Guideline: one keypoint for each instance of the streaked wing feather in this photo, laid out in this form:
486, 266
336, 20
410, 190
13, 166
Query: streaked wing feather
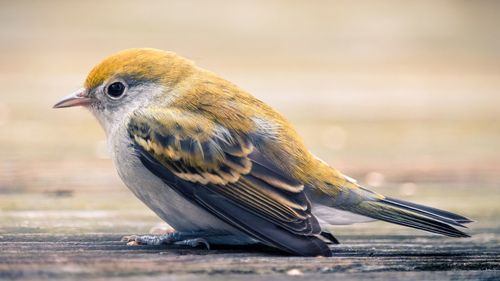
207, 162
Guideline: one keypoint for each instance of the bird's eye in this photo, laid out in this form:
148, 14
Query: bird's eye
115, 90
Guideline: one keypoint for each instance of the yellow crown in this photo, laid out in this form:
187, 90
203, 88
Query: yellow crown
144, 64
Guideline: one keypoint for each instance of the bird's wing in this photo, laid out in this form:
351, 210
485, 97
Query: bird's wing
222, 171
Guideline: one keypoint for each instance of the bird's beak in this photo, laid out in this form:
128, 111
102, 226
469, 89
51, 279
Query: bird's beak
78, 98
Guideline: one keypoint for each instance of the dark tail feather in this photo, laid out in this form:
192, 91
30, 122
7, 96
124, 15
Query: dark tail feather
413, 215
445, 216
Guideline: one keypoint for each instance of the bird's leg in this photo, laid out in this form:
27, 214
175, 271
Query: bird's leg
193, 239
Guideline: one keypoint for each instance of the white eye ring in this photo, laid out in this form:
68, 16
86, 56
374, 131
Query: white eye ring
116, 90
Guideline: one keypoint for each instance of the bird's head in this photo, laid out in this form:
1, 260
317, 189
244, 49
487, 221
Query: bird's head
127, 80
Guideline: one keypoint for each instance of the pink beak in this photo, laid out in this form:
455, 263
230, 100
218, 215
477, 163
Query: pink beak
78, 98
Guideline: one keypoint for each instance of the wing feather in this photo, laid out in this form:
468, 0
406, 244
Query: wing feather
204, 160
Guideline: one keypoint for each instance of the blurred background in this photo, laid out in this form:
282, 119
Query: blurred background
403, 95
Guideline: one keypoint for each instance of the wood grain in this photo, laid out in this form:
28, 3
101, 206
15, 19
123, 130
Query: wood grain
95, 256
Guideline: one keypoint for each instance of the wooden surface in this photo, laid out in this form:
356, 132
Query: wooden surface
97, 256
74, 235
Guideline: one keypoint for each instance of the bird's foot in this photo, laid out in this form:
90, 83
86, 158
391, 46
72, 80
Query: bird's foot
195, 242
193, 239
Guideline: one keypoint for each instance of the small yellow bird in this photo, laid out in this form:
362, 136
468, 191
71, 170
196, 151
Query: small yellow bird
222, 167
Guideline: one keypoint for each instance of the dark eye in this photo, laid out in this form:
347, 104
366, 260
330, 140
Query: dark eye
116, 89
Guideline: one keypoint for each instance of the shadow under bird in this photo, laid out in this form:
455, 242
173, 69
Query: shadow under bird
222, 167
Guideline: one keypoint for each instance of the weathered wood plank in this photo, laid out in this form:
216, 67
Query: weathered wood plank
76, 237
94, 256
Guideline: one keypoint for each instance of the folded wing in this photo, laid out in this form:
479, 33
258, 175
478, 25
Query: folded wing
222, 171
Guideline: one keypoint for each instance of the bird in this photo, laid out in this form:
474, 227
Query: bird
221, 166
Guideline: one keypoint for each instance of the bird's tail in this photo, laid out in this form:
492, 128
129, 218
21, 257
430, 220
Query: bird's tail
406, 213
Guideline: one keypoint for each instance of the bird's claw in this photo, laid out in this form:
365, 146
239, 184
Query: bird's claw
133, 243
132, 240
196, 242
128, 238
